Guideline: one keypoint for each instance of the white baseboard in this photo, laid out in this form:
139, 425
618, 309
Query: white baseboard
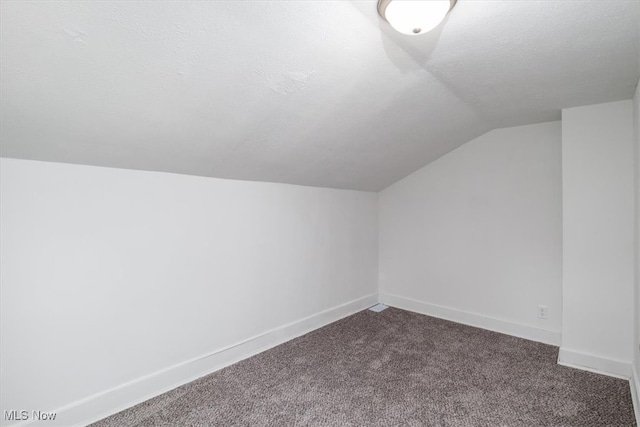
593, 363
96, 407
634, 384
472, 319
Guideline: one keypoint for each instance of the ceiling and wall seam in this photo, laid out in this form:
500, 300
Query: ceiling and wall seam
318, 94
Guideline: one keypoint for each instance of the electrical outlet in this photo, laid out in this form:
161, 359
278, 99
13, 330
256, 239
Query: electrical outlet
543, 311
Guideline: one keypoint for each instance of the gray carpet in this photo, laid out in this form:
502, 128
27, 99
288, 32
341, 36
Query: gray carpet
393, 368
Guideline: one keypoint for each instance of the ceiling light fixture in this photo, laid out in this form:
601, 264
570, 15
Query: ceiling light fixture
414, 17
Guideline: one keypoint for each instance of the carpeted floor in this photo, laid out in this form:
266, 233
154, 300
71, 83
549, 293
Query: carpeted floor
393, 368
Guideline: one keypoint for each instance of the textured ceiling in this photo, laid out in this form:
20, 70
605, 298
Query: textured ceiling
318, 93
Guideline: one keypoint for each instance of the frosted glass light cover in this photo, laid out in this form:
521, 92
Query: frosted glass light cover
415, 17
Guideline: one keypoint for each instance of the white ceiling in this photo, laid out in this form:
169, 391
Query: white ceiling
319, 93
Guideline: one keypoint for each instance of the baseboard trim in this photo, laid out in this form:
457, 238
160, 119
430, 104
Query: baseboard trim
634, 384
472, 319
96, 407
593, 363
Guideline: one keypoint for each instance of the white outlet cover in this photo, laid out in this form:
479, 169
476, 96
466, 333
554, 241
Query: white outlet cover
543, 312
378, 308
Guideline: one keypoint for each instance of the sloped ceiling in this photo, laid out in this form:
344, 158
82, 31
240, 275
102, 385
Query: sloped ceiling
319, 93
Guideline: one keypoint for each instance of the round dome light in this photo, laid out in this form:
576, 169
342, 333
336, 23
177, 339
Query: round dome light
414, 17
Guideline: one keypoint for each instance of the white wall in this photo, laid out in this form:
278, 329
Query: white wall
598, 237
116, 280
109, 275
476, 235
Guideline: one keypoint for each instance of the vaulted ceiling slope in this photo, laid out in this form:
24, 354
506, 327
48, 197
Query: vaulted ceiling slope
319, 93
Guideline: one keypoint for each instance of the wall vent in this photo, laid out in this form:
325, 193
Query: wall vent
378, 308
